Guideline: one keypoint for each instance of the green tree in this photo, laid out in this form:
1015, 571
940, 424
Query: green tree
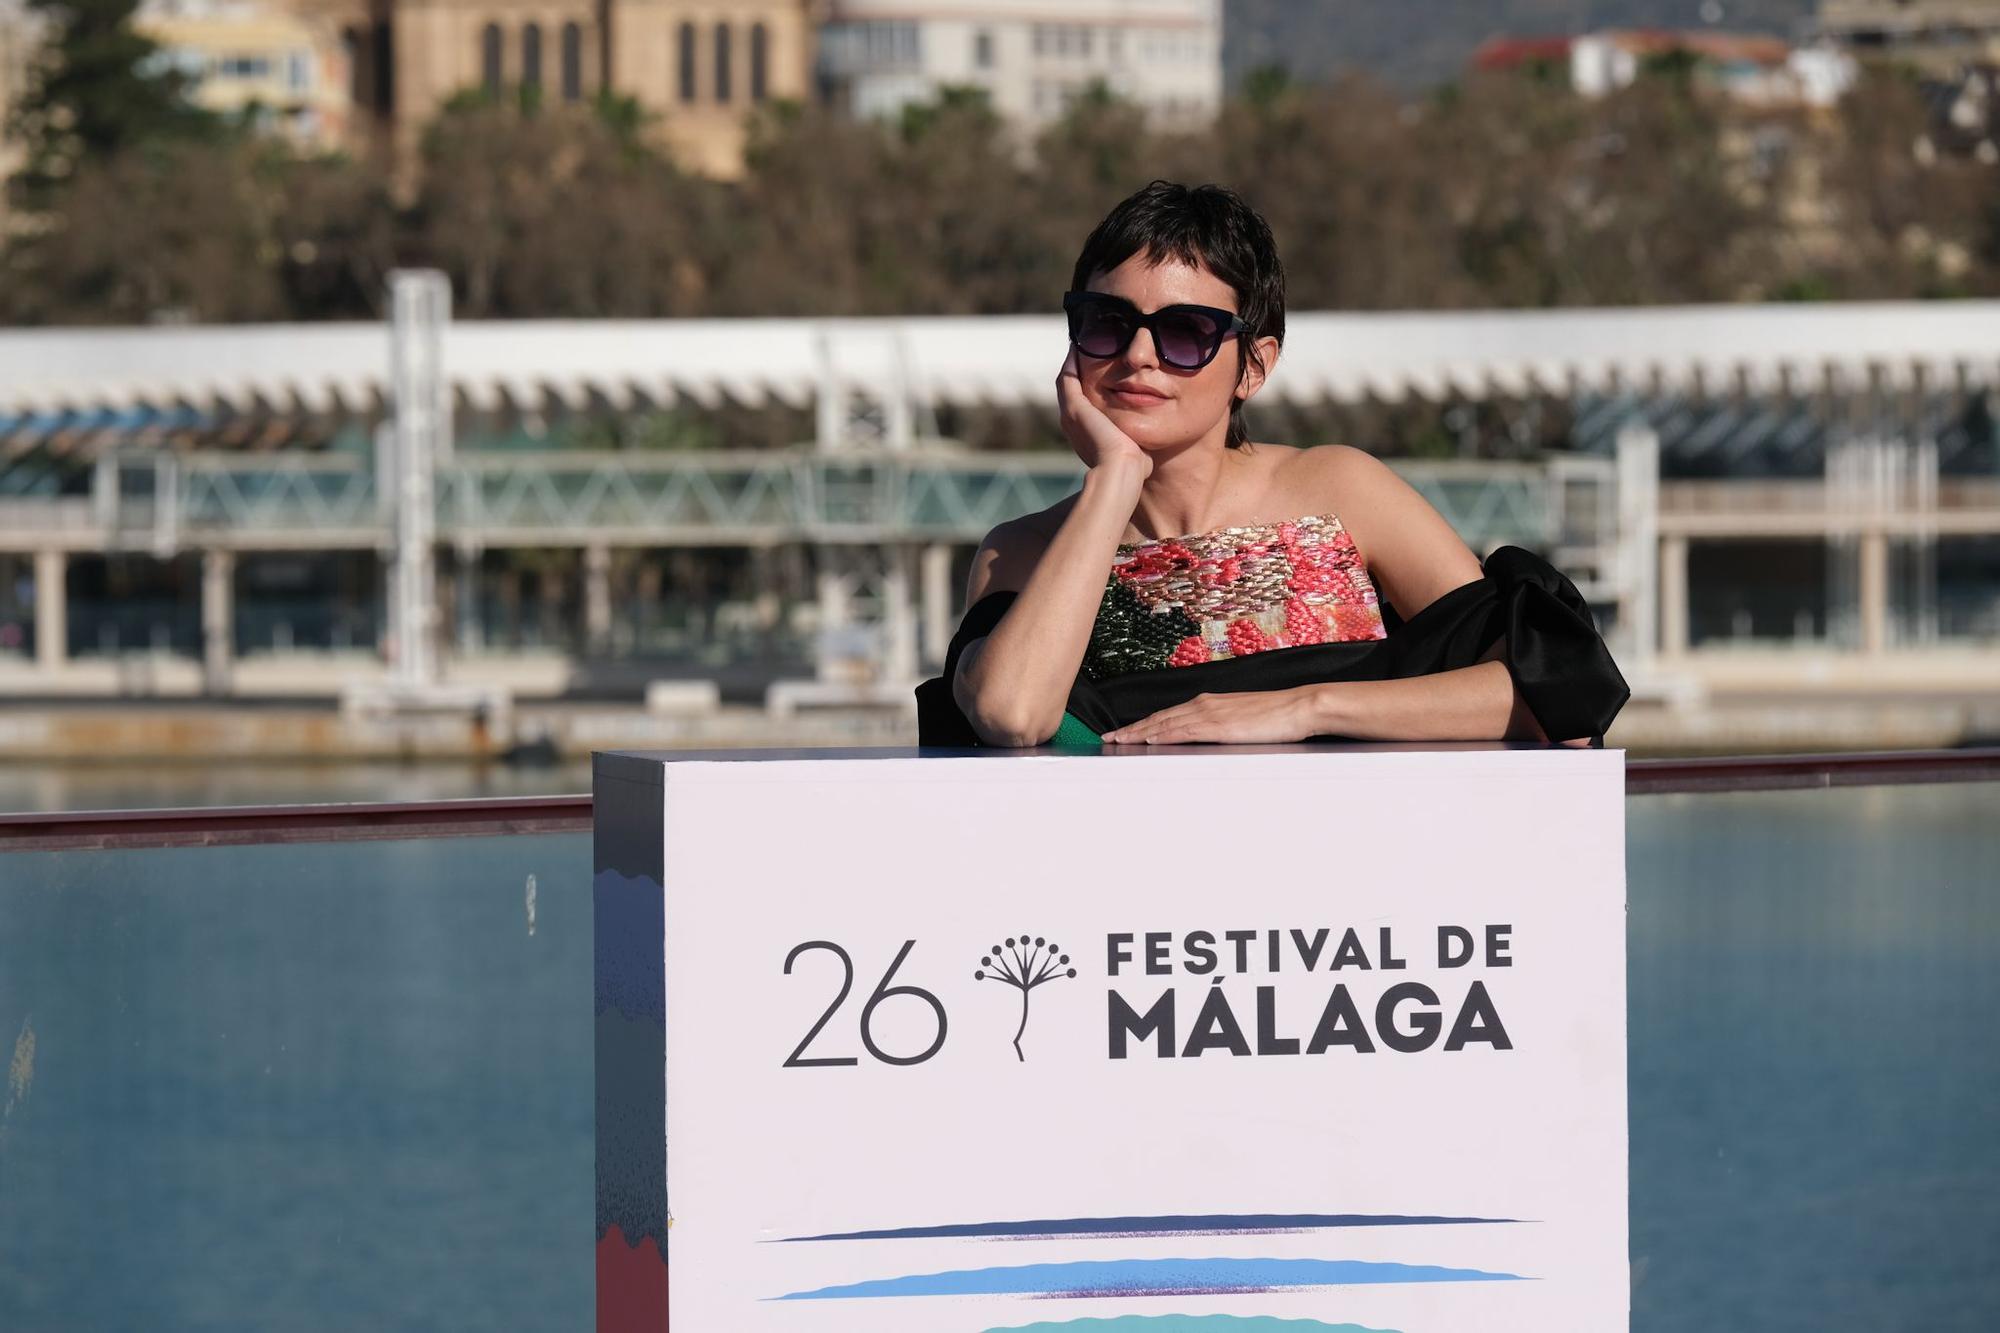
172, 232
560, 211
933, 212
1884, 210
1644, 196
99, 88
1100, 150
335, 232
1339, 174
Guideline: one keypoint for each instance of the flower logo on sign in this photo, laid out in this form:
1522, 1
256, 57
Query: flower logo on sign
1024, 964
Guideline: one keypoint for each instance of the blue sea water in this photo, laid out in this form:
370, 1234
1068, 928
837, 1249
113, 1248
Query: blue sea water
350, 1086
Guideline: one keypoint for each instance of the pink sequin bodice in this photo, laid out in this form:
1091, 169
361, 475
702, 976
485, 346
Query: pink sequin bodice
1232, 592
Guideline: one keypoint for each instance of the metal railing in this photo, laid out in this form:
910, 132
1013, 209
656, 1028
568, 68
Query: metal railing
722, 498
492, 816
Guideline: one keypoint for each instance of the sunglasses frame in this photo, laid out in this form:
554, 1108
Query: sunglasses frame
1074, 303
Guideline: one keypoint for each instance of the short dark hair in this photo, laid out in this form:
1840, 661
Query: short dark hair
1209, 226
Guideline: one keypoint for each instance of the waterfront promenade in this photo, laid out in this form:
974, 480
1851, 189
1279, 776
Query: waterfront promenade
1786, 520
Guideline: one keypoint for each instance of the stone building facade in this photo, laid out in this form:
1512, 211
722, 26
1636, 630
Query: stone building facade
1031, 57
286, 70
698, 65
1944, 38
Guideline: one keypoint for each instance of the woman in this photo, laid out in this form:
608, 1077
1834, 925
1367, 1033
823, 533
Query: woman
1204, 588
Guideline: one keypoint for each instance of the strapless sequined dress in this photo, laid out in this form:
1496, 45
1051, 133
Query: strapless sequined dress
1185, 601
1203, 614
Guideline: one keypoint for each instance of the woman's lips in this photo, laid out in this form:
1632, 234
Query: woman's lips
1140, 398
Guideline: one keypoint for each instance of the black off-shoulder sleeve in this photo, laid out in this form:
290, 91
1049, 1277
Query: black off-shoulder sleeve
1558, 660
939, 720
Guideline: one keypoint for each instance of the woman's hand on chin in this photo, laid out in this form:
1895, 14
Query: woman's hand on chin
1098, 442
1265, 717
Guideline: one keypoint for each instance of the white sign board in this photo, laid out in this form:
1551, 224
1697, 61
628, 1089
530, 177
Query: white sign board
968, 1044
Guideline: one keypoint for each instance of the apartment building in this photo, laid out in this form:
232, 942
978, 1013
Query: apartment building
1031, 57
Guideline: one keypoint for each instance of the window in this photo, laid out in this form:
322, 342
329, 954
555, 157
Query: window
382, 65
722, 70
572, 63
489, 58
982, 49
895, 43
760, 62
298, 70
687, 62
357, 66
531, 56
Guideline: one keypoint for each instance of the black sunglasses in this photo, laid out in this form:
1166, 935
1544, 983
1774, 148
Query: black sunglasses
1187, 336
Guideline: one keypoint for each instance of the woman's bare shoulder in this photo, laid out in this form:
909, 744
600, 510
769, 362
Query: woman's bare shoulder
1011, 550
1328, 479
1318, 469
1413, 553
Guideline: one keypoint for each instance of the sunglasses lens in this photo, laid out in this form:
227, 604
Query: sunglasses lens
1102, 331
1187, 339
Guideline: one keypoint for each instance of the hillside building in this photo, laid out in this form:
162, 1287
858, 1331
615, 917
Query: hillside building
286, 71
1750, 68
1941, 37
697, 65
1031, 59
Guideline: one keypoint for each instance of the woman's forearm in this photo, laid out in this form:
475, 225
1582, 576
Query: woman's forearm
1466, 704
1012, 684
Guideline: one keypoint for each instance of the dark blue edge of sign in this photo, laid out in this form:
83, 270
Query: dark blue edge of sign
1198, 1224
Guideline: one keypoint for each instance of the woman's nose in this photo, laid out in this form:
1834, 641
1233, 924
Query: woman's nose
1142, 353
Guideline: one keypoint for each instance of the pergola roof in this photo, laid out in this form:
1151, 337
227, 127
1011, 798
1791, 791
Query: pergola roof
342, 369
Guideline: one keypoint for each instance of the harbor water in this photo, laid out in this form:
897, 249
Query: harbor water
346, 1086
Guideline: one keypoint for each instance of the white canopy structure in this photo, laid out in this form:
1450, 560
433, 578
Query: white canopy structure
1004, 361
882, 506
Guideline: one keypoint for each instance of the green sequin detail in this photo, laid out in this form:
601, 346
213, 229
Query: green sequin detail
1074, 732
1127, 637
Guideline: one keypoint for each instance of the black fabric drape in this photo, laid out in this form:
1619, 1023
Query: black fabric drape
1558, 660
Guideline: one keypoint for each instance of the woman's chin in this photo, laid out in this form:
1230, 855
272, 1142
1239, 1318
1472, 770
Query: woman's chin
1147, 430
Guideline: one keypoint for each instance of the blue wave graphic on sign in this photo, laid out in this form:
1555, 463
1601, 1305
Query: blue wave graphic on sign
1189, 1323
1195, 1224
1149, 1277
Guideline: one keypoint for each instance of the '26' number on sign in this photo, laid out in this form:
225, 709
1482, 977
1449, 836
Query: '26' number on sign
798, 1059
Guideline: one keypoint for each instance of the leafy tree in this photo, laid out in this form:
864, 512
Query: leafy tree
1501, 190
172, 232
1339, 173
1267, 85
99, 88
559, 211
958, 183
933, 212
335, 232
1095, 154
1882, 211
1635, 198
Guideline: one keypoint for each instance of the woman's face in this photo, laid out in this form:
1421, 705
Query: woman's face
1158, 405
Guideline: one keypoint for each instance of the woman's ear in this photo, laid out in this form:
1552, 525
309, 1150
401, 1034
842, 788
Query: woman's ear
1257, 369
